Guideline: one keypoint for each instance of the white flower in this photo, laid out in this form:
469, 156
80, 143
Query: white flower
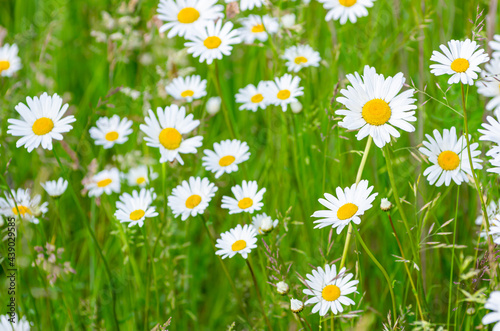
283, 91
288, 20
226, 156
263, 223
187, 88
10, 62
41, 122
491, 131
461, 59
495, 46
494, 228
166, 133
253, 98
249, 4
248, 198
282, 288
296, 306
491, 210
21, 203
111, 131
449, 158
213, 105
183, 17
212, 41
258, 27
296, 107
106, 181
343, 10
493, 303
349, 205
6, 323
55, 188
301, 56
239, 240
191, 198
489, 85
134, 209
329, 289
385, 204
140, 176
375, 108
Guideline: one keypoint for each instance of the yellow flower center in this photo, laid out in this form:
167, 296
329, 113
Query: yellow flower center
448, 160
137, 214
104, 182
4, 65
42, 126
376, 112
170, 138
188, 15
111, 136
300, 59
258, 28
257, 98
330, 292
226, 160
238, 245
347, 211
140, 180
348, 3
284, 94
245, 203
460, 65
187, 93
212, 42
23, 210
193, 201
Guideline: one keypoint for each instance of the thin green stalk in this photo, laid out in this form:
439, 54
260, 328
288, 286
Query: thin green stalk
149, 261
261, 303
452, 259
225, 111
358, 179
386, 276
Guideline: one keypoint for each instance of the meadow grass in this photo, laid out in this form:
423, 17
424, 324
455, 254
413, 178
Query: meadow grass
168, 269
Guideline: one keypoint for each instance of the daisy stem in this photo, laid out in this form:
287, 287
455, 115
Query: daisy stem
407, 270
358, 179
258, 294
452, 259
226, 272
386, 276
148, 277
94, 239
225, 111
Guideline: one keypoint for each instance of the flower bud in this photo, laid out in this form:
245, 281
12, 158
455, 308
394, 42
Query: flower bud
296, 306
282, 288
385, 204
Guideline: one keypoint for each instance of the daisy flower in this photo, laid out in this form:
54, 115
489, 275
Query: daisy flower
187, 88
165, 133
106, 181
494, 228
226, 156
22, 204
41, 122
301, 56
461, 59
375, 108
283, 91
343, 10
241, 239
296, 306
10, 62
329, 289
213, 41
140, 176
134, 209
183, 17
111, 131
253, 98
495, 45
349, 205
489, 85
248, 4
55, 188
491, 133
493, 303
248, 198
258, 27
448, 155
213, 105
17, 324
491, 210
263, 223
191, 198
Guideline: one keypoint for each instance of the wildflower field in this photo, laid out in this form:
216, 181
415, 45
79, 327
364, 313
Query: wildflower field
249, 165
